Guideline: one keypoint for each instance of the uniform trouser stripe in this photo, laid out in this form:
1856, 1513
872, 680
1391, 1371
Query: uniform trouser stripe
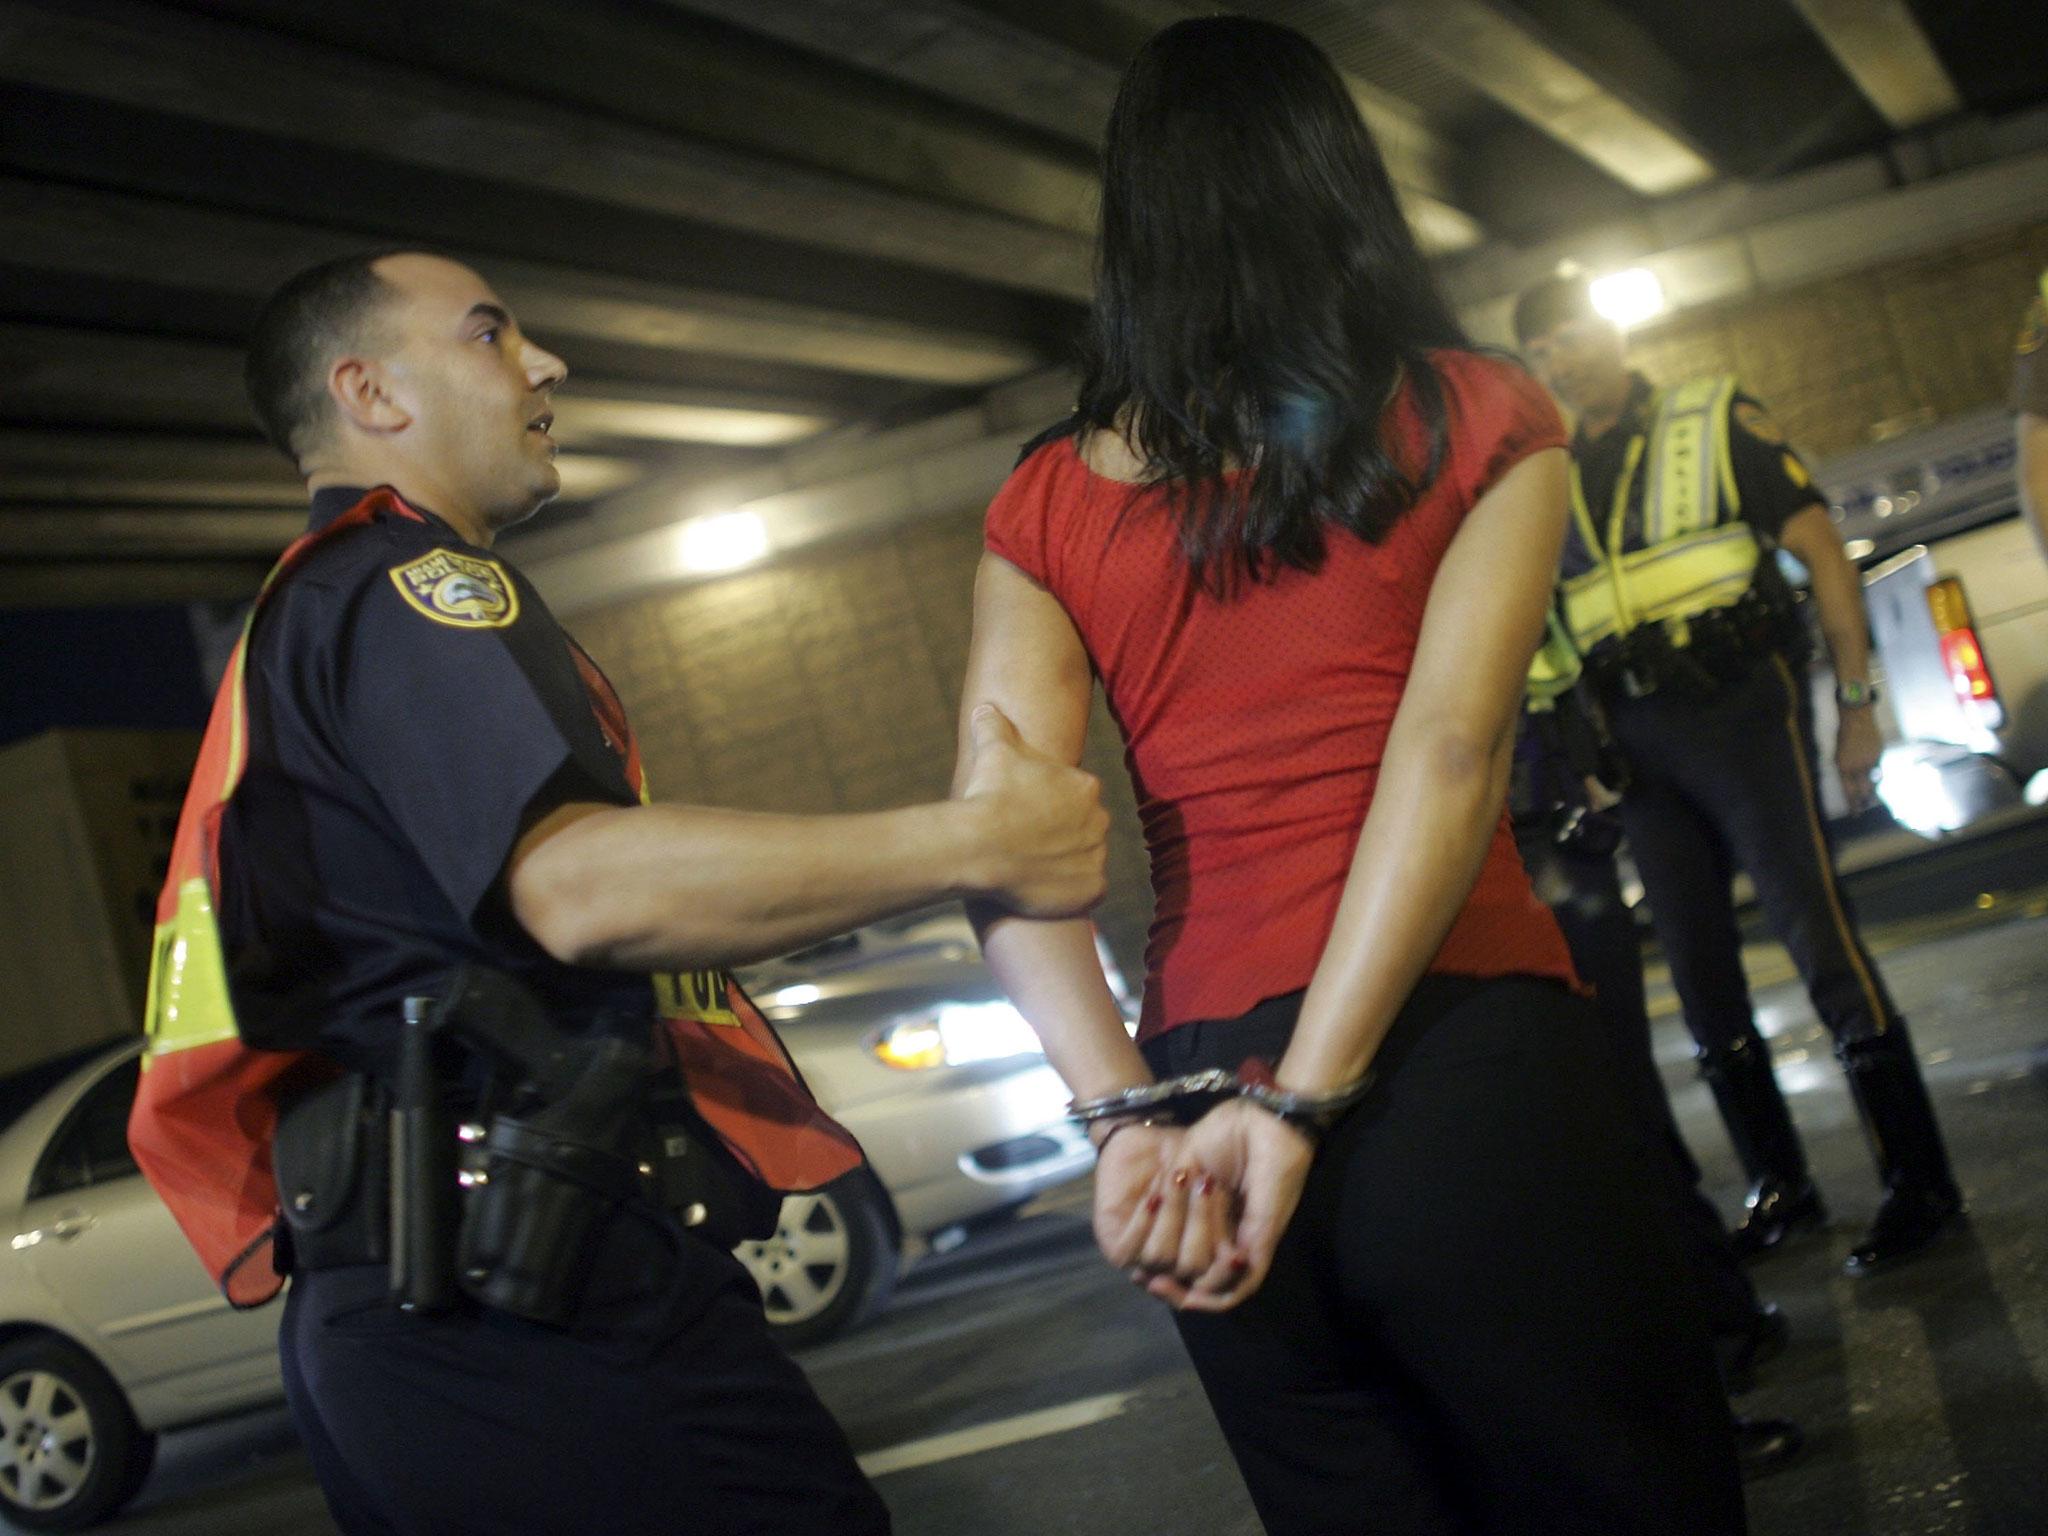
1852, 946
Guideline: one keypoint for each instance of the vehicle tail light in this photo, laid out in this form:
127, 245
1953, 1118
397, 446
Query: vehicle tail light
1963, 654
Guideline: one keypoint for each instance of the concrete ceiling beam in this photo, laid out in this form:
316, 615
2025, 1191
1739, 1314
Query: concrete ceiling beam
719, 85
996, 62
63, 375
1881, 46
116, 237
1622, 117
123, 533
199, 68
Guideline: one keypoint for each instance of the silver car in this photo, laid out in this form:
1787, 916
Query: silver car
904, 1035
113, 1330
110, 1331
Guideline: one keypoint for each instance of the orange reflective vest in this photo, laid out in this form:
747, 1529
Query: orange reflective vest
208, 1104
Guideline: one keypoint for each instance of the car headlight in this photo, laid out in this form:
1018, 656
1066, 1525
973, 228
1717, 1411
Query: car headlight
956, 1035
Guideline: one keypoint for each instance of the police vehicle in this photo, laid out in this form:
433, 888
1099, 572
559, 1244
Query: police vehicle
1957, 590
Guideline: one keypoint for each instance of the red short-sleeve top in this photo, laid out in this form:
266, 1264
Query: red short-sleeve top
1254, 723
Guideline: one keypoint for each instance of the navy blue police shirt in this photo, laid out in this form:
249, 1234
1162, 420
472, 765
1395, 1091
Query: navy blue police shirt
413, 708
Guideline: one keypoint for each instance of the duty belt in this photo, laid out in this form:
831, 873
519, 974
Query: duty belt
500, 1206
1695, 658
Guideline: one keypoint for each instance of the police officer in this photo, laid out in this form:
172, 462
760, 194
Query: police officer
2030, 406
412, 769
1568, 847
1671, 592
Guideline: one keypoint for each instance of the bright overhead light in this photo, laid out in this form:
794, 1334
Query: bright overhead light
1629, 297
723, 543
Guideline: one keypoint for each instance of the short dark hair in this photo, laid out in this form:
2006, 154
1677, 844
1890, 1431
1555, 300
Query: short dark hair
1552, 302
314, 317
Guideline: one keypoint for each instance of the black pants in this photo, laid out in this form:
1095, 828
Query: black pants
1477, 1320
1584, 891
674, 1413
1731, 783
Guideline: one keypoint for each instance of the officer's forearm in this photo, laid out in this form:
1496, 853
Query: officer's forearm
665, 887
1837, 592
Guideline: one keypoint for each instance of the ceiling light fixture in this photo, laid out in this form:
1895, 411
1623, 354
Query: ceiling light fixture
1628, 297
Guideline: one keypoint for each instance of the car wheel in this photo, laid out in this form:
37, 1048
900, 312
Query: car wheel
831, 1263
71, 1453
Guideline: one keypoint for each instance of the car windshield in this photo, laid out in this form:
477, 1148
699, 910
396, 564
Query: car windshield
19, 1091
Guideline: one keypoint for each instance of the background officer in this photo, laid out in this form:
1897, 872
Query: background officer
437, 776
2030, 407
1569, 849
1671, 592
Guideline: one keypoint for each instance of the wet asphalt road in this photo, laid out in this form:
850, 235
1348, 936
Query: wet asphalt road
1018, 1386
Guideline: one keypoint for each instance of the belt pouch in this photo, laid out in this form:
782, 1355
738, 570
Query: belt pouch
329, 1156
706, 1188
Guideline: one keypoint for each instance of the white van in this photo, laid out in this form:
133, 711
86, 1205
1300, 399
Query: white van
1958, 595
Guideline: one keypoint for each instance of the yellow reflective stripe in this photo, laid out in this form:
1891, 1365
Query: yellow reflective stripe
237, 737
1617, 535
1851, 945
1672, 580
1687, 454
188, 988
1724, 459
237, 698
699, 995
1554, 668
1583, 515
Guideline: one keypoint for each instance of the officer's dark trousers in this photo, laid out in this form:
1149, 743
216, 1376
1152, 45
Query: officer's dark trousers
1729, 784
1432, 1352
675, 1415
1584, 891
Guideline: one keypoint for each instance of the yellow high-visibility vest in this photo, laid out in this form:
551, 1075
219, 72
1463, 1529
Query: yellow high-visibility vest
1697, 554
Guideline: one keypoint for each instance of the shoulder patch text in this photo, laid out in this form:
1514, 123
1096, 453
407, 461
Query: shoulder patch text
461, 591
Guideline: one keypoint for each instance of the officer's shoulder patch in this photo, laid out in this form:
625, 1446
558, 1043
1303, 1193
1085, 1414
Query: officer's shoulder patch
2033, 328
461, 591
1756, 421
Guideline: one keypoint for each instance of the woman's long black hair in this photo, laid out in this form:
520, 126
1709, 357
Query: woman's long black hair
1259, 297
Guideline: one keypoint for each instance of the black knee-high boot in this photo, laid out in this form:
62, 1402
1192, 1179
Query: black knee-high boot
1782, 1198
1920, 1198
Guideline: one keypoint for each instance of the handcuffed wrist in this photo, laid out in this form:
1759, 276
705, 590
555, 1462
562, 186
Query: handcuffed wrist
1124, 1123
1179, 1100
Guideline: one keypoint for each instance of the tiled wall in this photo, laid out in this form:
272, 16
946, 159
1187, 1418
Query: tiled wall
1871, 353
830, 681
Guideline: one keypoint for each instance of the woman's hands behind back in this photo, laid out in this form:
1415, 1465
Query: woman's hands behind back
1194, 1216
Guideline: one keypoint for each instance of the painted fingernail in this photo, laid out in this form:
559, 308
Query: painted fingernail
1153, 1203
1208, 1184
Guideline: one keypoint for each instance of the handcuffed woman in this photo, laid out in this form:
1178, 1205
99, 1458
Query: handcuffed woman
1304, 534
